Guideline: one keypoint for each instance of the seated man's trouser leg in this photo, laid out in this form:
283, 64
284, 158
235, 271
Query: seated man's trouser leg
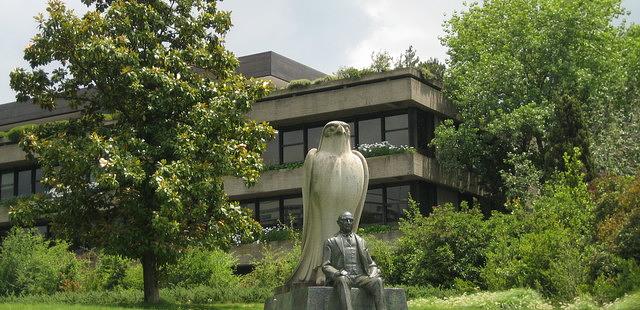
373, 286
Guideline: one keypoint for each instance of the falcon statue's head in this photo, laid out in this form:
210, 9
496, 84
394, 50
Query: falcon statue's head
336, 137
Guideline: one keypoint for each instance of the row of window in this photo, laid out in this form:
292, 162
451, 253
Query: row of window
383, 205
292, 145
17, 183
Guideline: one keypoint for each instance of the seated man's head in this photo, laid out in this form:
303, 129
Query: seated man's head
345, 222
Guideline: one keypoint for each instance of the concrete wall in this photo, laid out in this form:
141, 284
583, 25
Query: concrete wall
382, 169
11, 155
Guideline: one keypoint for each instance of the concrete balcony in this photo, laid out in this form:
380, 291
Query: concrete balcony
343, 98
382, 169
11, 155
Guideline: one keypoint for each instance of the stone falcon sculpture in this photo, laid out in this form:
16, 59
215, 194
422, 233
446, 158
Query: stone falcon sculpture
335, 180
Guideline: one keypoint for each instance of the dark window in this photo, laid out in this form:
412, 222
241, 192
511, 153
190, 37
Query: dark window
292, 146
269, 212
396, 129
293, 212
38, 183
370, 131
397, 201
313, 137
6, 186
272, 154
24, 183
373, 211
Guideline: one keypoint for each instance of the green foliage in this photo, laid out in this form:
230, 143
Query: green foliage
511, 299
432, 69
522, 182
616, 149
611, 275
197, 267
543, 246
408, 59
271, 271
530, 78
29, 264
280, 232
285, 166
380, 61
444, 248
133, 277
618, 215
108, 272
149, 185
352, 73
383, 253
297, 84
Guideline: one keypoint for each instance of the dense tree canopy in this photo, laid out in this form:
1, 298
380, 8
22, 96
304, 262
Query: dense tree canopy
146, 181
532, 80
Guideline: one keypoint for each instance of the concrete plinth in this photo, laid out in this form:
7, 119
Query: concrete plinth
326, 298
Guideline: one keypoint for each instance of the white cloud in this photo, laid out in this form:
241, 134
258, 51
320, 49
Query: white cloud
398, 24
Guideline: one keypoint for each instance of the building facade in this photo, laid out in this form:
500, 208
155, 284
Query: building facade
399, 107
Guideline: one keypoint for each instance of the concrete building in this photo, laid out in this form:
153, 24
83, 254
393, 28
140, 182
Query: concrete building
397, 106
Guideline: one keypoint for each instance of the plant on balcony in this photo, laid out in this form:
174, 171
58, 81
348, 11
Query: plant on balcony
302, 83
280, 232
367, 150
284, 166
383, 148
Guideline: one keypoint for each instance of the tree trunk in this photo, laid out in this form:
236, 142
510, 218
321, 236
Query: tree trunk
150, 277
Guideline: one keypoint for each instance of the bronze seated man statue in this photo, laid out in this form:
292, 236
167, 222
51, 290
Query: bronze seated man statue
346, 263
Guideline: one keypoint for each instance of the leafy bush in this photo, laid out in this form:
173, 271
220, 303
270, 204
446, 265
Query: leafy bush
29, 264
383, 148
296, 84
438, 249
543, 246
432, 69
270, 272
133, 277
612, 276
279, 232
383, 253
618, 215
107, 272
285, 166
196, 267
352, 73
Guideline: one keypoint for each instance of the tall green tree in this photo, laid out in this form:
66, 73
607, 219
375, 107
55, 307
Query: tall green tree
146, 182
533, 77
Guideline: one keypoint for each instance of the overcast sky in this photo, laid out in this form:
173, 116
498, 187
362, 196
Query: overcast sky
322, 34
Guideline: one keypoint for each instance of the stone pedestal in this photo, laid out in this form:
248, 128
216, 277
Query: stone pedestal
326, 298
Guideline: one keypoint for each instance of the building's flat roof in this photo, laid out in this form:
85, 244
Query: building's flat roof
256, 65
273, 64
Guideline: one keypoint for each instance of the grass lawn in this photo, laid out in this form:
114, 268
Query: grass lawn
503, 300
12, 306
